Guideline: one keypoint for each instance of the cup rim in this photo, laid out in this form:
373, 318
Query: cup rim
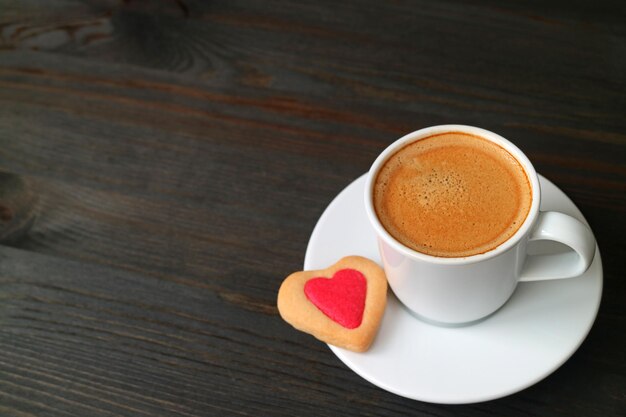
524, 229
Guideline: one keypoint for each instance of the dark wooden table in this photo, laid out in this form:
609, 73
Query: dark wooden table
163, 164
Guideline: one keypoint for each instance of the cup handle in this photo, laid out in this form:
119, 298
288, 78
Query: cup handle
559, 227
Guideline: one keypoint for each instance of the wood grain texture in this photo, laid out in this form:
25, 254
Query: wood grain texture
163, 163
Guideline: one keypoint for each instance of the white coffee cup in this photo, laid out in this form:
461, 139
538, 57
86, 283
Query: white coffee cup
452, 291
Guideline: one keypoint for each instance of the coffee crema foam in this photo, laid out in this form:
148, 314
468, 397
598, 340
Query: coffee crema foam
452, 195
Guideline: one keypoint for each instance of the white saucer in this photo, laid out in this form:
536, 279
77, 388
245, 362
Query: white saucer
535, 332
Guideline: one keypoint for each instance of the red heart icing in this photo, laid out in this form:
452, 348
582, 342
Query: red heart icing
341, 298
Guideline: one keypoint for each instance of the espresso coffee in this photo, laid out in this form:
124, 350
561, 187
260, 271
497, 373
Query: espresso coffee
452, 195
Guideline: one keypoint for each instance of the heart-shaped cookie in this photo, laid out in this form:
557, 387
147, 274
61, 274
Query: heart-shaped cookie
341, 305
